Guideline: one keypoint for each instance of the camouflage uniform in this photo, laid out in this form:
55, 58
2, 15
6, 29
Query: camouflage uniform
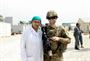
57, 47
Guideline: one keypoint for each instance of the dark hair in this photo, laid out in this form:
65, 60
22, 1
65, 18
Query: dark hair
77, 24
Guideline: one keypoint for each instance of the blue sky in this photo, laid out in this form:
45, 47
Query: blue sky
68, 10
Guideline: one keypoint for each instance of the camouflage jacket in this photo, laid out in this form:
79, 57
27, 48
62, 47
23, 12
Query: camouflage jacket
59, 32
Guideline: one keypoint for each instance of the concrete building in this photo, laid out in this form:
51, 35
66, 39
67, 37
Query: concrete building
5, 29
85, 26
67, 26
19, 28
8, 20
1, 18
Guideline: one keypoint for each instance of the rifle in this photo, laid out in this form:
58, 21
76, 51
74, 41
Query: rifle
46, 42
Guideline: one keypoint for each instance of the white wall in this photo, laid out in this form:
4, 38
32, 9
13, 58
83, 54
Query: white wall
5, 29
18, 28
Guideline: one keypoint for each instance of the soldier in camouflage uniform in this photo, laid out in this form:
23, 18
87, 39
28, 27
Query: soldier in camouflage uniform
57, 37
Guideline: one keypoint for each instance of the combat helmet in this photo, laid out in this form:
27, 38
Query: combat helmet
51, 14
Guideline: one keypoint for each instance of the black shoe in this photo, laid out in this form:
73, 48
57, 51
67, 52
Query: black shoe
82, 46
77, 49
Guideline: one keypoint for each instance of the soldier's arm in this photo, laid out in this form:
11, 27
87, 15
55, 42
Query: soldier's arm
64, 40
60, 39
64, 34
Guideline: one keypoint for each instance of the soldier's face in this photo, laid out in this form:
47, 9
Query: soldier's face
52, 21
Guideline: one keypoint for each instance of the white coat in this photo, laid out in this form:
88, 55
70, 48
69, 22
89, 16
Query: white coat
31, 45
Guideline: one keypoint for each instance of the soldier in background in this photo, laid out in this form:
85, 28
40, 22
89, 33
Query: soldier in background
57, 38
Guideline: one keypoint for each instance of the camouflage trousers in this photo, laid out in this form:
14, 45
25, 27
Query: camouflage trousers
55, 57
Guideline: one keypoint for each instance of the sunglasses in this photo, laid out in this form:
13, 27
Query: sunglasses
36, 21
54, 17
